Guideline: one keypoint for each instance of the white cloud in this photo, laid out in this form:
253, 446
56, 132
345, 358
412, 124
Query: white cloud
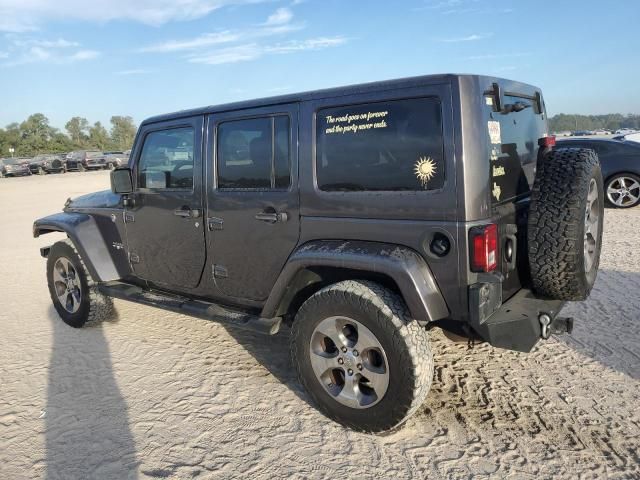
28, 50
279, 17
27, 15
469, 38
241, 53
204, 40
82, 55
278, 23
59, 43
253, 51
311, 44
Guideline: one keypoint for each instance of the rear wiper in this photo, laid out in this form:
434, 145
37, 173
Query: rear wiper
515, 107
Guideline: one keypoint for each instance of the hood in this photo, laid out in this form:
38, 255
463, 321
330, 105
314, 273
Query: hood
103, 199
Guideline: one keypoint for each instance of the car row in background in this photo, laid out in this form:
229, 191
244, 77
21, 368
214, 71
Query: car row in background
598, 132
81, 160
620, 161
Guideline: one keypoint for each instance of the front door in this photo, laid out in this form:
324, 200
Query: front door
253, 215
165, 227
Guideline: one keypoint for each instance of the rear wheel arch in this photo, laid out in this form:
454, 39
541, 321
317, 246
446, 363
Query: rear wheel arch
319, 263
309, 280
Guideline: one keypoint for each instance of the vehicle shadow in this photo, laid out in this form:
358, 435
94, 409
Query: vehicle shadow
81, 388
606, 326
272, 352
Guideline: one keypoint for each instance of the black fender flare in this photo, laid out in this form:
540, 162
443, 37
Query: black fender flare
403, 265
83, 231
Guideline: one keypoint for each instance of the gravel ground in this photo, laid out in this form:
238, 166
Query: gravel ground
160, 395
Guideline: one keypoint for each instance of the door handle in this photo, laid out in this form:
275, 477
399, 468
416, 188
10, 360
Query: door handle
187, 212
272, 217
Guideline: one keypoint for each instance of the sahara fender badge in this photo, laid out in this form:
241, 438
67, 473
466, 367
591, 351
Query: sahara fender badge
494, 131
425, 169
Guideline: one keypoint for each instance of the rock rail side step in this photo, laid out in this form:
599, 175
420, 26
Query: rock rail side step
195, 308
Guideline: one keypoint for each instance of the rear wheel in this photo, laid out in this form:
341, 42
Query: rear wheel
623, 191
363, 360
73, 292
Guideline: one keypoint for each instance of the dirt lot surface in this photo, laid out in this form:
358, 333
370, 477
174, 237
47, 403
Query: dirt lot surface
155, 394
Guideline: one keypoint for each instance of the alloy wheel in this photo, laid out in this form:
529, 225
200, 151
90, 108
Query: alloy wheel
623, 191
67, 285
591, 225
349, 362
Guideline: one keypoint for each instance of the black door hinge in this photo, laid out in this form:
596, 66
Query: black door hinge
215, 223
134, 258
220, 272
128, 217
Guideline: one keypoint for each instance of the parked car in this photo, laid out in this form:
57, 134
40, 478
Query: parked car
83, 160
47, 163
360, 216
624, 131
620, 162
582, 133
115, 159
13, 167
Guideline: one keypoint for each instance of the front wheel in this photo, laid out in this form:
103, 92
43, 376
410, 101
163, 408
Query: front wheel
73, 292
623, 191
365, 362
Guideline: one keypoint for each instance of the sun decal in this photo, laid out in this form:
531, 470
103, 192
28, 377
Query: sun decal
425, 169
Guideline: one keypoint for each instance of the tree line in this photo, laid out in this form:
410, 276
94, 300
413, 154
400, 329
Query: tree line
35, 135
612, 121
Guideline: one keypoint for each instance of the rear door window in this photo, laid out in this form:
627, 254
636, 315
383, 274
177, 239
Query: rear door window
384, 146
253, 154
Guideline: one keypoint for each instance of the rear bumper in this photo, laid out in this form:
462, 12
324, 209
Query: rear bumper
514, 324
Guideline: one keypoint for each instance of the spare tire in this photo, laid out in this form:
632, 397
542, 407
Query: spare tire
565, 223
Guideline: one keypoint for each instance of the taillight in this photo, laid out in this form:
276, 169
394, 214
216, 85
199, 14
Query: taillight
484, 248
547, 142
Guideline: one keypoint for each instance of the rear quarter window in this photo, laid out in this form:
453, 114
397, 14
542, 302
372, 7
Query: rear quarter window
383, 146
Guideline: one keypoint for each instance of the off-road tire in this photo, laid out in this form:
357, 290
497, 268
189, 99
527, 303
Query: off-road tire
557, 223
94, 306
406, 344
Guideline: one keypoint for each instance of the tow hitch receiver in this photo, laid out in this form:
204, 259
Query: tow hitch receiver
557, 326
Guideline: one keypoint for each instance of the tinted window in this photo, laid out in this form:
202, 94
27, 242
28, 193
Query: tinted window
384, 146
254, 153
167, 159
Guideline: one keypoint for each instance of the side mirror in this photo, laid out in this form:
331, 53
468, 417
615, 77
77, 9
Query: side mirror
121, 181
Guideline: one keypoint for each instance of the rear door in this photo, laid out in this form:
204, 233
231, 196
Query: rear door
165, 228
253, 207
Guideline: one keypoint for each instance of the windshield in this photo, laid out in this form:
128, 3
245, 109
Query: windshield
94, 154
10, 161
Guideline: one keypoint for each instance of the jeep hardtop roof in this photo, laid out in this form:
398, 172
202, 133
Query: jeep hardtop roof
407, 82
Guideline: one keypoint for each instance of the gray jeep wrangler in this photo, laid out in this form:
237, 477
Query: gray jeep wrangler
362, 217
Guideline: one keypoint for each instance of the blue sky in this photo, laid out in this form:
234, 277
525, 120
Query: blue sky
142, 57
